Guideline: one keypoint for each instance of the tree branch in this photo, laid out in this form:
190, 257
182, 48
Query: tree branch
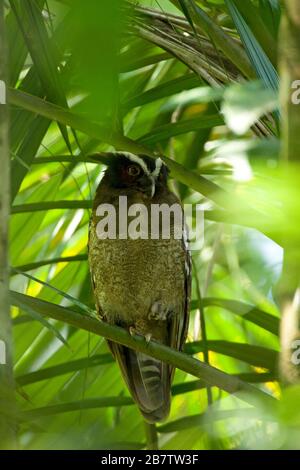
182, 361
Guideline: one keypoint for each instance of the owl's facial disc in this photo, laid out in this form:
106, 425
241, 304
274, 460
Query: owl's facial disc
145, 180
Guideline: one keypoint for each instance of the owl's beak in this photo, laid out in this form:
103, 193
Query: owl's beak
148, 187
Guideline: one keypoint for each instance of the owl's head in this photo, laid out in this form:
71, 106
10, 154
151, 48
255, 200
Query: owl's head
137, 172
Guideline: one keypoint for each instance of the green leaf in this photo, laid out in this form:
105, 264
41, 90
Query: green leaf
85, 308
270, 11
38, 264
43, 53
244, 104
87, 404
65, 368
35, 133
250, 377
36, 316
256, 23
255, 355
204, 419
163, 90
166, 131
25, 226
50, 205
248, 312
219, 37
261, 63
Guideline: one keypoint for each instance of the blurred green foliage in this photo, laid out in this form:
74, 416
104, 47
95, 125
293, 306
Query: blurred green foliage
156, 76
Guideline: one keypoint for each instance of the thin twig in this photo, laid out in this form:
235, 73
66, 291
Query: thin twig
151, 436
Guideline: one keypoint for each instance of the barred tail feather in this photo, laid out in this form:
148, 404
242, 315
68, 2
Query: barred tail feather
148, 380
152, 384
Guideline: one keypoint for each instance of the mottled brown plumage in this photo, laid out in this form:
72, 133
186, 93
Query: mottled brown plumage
141, 285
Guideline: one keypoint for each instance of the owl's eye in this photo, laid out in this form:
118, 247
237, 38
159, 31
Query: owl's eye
133, 170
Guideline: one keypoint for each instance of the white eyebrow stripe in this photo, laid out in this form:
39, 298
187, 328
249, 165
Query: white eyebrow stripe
135, 159
158, 165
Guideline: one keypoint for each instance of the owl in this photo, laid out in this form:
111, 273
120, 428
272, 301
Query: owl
140, 283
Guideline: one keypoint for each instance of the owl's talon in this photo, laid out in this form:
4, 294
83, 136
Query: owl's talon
132, 331
148, 337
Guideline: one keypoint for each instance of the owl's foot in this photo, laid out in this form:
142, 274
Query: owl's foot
148, 337
132, 331
158, 312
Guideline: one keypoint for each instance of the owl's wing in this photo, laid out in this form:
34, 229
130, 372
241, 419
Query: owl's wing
178, 327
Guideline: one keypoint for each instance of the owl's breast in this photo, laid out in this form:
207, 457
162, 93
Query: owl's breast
134, 277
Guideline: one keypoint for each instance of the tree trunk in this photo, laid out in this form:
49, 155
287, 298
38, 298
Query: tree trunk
7, 403
289, 285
